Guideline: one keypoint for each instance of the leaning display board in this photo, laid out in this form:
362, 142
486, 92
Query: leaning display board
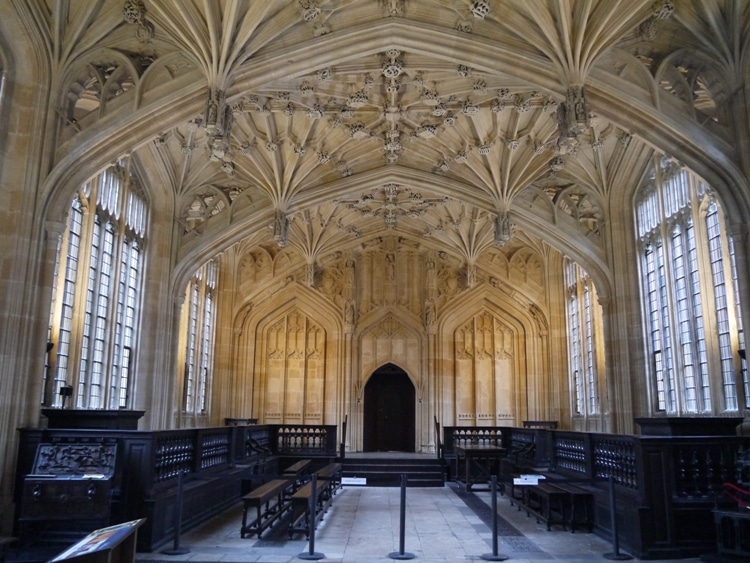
113, 544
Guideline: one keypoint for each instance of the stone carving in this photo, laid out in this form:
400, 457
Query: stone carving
503, 229
390, 266
349, 312
480, 9
280, 228
134, 12
393, 8
390, 202
464, 342
430, 314
332, 285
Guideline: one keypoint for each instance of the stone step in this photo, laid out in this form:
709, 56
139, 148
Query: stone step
385, 472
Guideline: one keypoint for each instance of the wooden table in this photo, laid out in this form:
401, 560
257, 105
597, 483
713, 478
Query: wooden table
479, 463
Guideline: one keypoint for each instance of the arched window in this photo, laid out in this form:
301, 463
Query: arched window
584, 340
689, 294
96, 296
199, 352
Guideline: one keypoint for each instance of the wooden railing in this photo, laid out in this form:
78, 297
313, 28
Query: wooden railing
214, 448
304, 439
615, 456
478, 435
666, 486
216, 463
174, 453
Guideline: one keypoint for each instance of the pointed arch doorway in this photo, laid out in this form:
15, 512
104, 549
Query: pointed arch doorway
389, 412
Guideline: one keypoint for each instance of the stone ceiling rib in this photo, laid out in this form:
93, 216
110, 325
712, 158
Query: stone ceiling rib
332, 99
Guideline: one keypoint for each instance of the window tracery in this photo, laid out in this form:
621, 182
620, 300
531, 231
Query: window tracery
96, 293
691, 304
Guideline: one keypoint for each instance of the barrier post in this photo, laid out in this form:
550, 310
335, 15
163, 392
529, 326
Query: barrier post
494, 556
311, 554
401, 554
176, 549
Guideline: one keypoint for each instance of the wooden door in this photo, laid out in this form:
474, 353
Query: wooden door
389, 412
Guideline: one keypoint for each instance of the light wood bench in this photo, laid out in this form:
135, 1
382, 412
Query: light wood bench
297, 469
303, 519
296, 472
328, 480
330, 475
268, 500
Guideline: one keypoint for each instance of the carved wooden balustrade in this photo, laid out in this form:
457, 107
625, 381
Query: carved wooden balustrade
476, 435
615, 456
214, 448
174, 453
702, 469
304, 439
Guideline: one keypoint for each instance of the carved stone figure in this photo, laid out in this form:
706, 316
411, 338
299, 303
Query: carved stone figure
390, 266
429, 312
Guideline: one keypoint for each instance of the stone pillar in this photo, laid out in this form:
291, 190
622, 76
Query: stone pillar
428, 395
228, 392
348, 400
54, 232
349, 404
739, 235
431, 396
618, 389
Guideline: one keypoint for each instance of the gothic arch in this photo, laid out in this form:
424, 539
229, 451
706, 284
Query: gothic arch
524, 355
292, 343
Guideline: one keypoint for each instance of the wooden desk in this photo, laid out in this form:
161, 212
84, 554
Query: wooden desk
479, 463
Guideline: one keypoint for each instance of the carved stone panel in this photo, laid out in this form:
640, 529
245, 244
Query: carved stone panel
295, 367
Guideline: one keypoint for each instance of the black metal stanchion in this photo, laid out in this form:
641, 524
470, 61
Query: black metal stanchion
494, 556
615, 555
401, 554
311, 554
176, 549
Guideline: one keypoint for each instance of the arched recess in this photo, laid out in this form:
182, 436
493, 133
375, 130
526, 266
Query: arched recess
493, 362
288, 359
389, 411
391, 336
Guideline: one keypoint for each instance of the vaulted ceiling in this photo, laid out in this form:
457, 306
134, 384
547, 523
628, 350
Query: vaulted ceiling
463, 124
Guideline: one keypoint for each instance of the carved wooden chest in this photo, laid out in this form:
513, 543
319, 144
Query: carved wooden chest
70, 481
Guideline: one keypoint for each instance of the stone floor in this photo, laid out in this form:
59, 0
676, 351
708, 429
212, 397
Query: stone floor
363, 526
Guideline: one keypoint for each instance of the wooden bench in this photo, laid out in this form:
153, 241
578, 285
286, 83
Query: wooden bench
553, 501
297, 469
328, 480
330, 475
302, 517
578, 507
515, 493
268, 500
547, 502
296, 472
